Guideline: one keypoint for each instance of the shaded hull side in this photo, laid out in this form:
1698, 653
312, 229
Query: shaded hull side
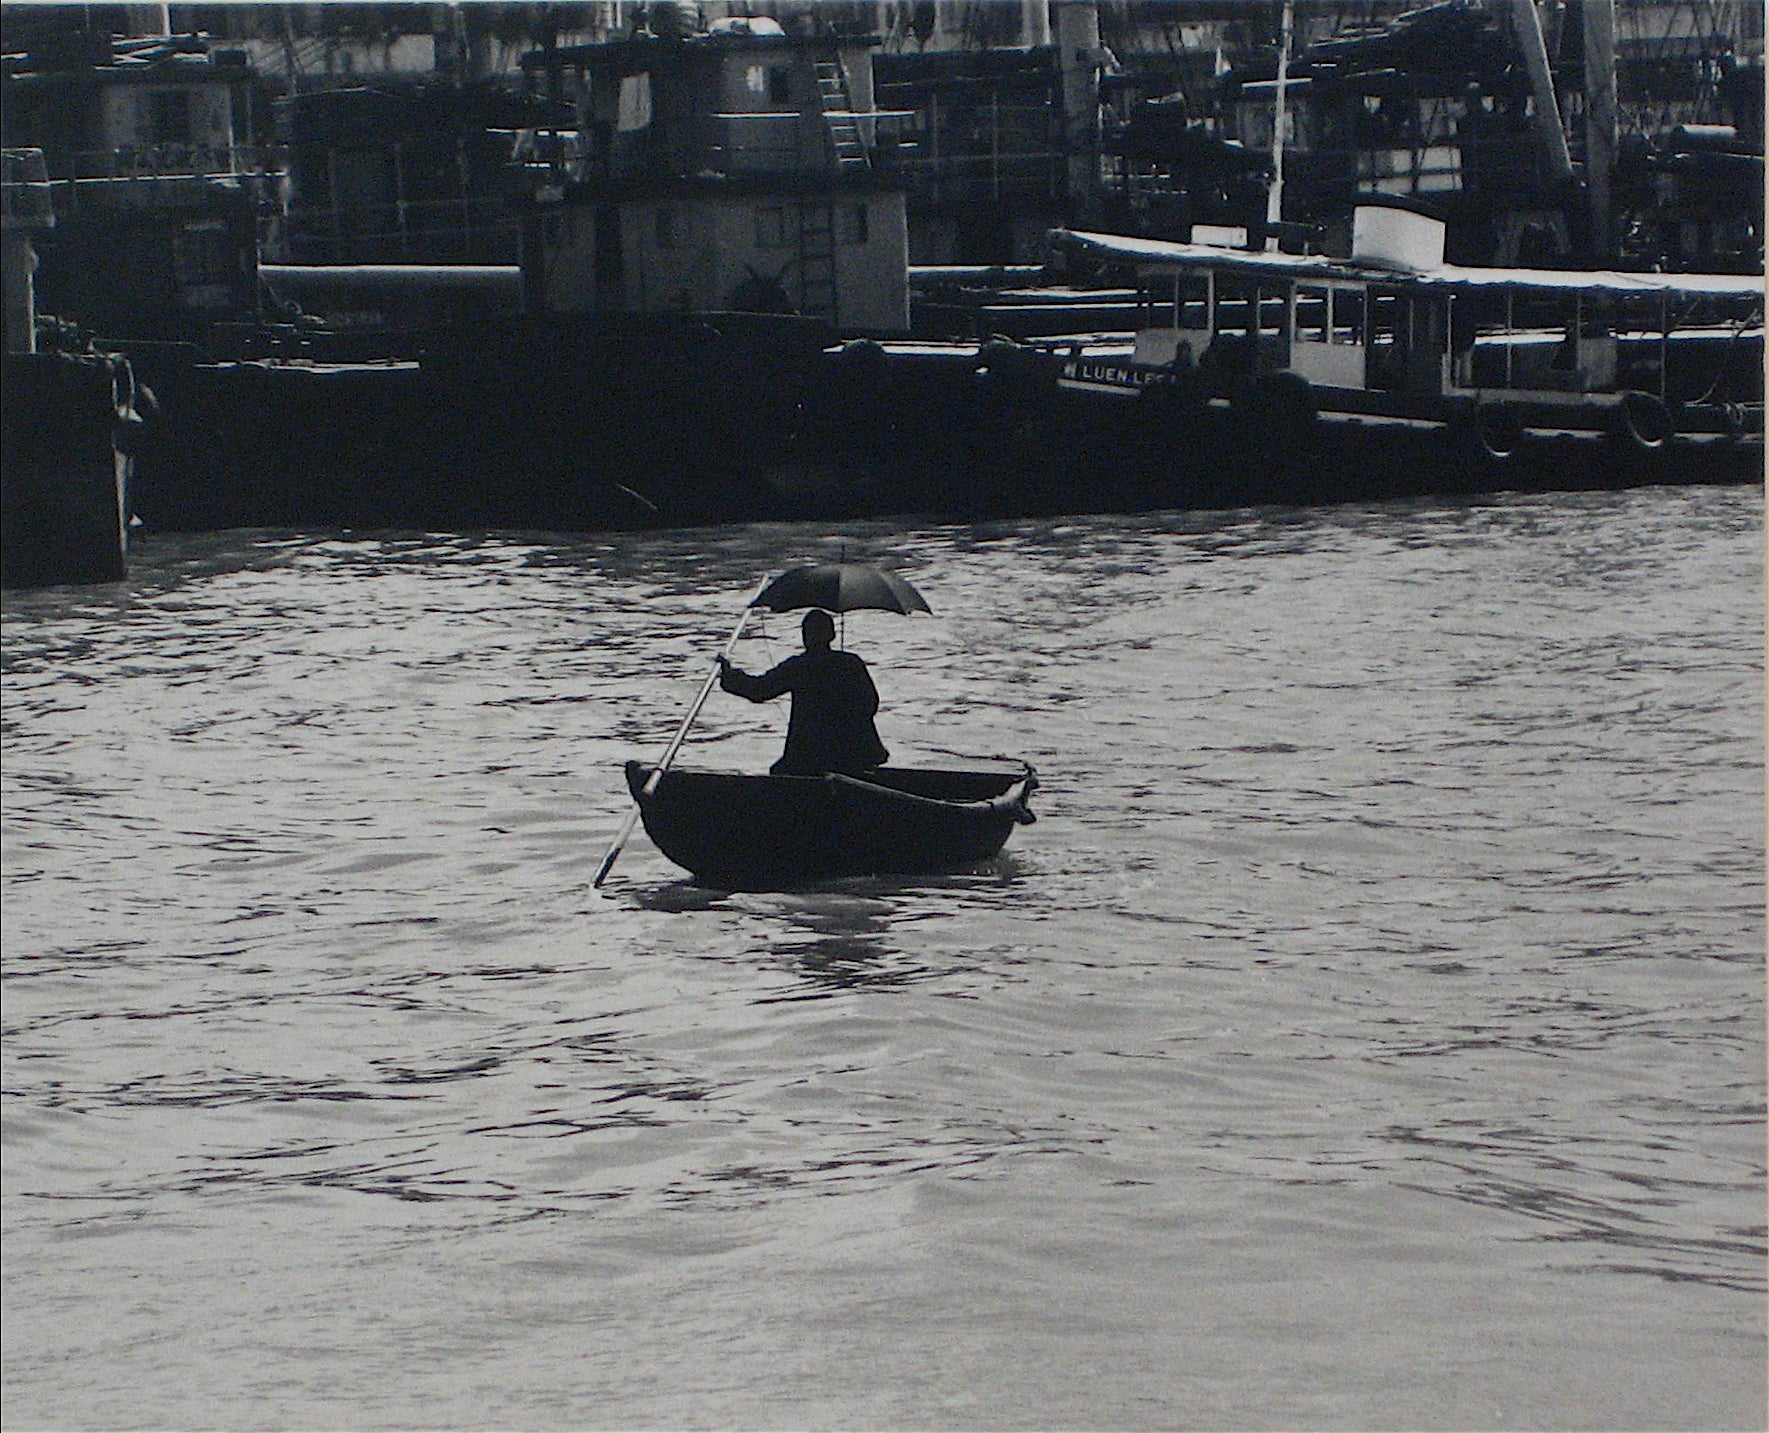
63, 481
1023, 434
758, 832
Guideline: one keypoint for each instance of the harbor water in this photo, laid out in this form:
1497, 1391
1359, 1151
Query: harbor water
1369, 1034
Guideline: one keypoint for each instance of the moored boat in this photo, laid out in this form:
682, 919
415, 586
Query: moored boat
745, 832
1661, 373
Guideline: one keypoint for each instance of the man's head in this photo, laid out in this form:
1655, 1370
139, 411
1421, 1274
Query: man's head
818, 629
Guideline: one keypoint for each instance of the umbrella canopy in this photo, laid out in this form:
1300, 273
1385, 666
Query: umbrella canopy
840, 587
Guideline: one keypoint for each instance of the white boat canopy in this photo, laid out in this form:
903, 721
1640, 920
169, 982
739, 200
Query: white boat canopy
1162, 254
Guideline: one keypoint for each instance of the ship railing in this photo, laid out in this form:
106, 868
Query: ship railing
173, 161
453, 230
762, 142
957, 176
785, 142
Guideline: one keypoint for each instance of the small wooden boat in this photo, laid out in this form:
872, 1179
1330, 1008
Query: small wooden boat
740, 832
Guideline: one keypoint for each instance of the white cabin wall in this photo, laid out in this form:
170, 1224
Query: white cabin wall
1156, 346
127, 116
1336, 365
872, 278
739, 254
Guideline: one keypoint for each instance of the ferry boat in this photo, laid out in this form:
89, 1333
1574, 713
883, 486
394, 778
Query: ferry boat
1305, 356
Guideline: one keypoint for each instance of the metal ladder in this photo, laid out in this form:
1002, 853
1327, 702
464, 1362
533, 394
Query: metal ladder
838, 116
816, 259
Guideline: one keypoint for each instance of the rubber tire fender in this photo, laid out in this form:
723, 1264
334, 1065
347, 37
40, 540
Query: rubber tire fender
128, 426
1003, 361
1643, 421
997, 360
1495, 431
122, 384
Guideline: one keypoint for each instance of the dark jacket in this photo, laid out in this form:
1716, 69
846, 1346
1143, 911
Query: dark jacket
833, 703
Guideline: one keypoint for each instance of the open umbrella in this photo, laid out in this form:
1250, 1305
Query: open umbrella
833, 586
840, 587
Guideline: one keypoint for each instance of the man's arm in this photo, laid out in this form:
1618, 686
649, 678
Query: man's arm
770, 684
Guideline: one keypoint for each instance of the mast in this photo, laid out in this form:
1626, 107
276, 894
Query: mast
1274, 197
1078, 43
1545, 108
1600, 117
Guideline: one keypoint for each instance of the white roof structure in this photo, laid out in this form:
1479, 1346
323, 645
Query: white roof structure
1157, 254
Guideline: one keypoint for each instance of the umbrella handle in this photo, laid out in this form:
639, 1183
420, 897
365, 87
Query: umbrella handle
669, 753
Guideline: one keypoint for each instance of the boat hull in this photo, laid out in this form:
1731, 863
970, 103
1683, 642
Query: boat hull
741, 832
65, 469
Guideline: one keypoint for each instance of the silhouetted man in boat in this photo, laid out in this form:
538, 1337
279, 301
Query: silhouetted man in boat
833, 703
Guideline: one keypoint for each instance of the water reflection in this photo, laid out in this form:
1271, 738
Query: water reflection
677, 896
835, 964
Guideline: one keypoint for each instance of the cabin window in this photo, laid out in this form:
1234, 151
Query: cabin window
1234, 306
1348, 316
771, 231
1274, 311
1385, 320
634, 103
1192, 301
1312, 314
1427, 326
850, 224
755, 79
779, 85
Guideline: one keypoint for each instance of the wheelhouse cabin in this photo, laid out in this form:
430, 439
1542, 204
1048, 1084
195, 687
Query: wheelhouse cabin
1395, 334
739, 169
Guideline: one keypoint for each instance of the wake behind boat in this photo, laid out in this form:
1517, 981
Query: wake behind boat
743, 832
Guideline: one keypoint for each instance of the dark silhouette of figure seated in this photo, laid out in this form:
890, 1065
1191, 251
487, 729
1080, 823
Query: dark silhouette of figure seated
833, 703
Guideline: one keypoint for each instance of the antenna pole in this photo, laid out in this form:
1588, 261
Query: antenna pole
1274, 197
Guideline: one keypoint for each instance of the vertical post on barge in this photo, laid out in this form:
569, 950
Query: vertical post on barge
1600, 119
1526, 26
1078, 43
1274, 197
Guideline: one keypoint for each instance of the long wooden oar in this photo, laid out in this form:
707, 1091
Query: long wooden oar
670, 751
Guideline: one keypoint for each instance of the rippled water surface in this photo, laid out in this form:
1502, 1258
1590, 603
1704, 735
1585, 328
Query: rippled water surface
1369, 1033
